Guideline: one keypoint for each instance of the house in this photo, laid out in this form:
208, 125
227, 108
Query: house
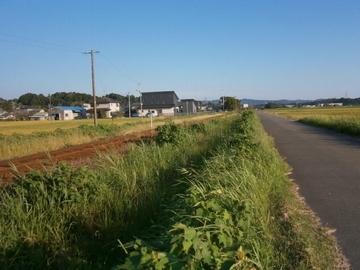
334, 104
105, 107
24, 112
66, 113
27, 110
6, 116
39, 116
165, 103
188, 106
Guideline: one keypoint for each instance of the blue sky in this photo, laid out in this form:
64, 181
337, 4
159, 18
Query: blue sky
201, 49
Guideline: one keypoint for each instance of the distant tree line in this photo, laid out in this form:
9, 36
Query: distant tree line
344, 101
78, 99
59, 99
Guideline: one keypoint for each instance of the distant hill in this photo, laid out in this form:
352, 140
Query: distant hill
255, 102
280, 101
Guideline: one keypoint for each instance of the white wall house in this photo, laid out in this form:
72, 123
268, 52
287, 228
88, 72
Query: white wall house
107, 106
66, 113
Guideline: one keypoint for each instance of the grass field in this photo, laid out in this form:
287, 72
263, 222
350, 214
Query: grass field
20, 138
300, 113
28, 127
340, 119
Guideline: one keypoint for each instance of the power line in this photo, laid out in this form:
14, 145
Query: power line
37, 46
44, 42
119, 69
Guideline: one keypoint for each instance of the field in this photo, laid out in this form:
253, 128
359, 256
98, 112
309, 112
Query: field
301, 113
20, 138
28, 127
209, 195
341, 119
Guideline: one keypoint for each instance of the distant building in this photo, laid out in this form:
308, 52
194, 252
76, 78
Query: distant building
188, 106
39, 116
6, 116
104, 106
66, 113
165, 103
334, 104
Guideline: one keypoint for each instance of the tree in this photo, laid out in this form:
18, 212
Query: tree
273, 105
26, 99
231, 103
7, 105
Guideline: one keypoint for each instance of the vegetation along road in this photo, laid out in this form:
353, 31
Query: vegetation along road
325, 167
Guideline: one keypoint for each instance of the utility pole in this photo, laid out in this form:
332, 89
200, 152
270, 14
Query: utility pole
129, 105
93, 83
223, 101
141, 110
49, 113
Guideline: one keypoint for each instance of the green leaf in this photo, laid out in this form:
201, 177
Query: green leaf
226, 215
189, 234
145, 259
162, 263
200, 212
186, 245
144, 250
176, 249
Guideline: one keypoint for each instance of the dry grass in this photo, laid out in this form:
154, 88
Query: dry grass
28, 127
27, 137
300, 113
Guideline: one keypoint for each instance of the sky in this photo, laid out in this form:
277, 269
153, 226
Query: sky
201, 49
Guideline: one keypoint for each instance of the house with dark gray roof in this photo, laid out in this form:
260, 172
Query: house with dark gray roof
188, 106
165, 103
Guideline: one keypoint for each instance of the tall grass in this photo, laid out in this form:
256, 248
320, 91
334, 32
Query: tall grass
239, 212
226, 183
72, 218
344, 124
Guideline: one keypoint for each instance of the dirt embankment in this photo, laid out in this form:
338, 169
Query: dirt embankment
78, 153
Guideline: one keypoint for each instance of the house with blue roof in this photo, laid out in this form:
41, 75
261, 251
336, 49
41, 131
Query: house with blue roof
67, 113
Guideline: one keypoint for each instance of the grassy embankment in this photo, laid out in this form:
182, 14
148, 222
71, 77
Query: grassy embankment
341, 119
212, 196
20, 138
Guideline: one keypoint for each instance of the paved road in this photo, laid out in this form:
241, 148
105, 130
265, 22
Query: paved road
326, 167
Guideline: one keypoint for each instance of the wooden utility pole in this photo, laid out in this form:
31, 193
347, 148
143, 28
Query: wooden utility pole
93, 83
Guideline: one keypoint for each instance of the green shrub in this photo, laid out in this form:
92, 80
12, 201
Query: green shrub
170, 133
62, 185
197, 127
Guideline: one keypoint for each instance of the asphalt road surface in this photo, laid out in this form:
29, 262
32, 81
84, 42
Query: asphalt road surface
326, 167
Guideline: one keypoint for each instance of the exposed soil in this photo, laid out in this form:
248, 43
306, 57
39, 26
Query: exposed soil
77, 154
